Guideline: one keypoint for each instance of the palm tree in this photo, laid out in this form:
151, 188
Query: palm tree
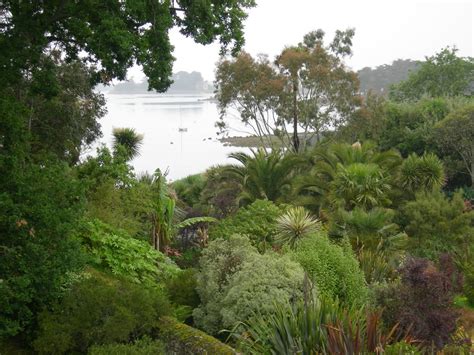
127, 142
347, 173
424, 173
263, 175
294, 225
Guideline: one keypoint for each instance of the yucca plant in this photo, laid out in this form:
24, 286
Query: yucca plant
424, 173
127, 142
294, 225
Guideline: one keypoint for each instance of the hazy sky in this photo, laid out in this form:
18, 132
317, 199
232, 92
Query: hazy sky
385, 30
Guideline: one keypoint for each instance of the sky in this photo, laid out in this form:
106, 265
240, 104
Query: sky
385, 30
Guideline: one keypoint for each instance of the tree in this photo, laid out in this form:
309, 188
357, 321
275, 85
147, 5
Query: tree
308, 87
455, 134
265, 175
443, 74
123, 34
129, 140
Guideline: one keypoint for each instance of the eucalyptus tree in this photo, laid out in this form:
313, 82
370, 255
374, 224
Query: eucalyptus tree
306, 90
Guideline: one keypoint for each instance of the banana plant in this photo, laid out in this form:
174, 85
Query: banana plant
165, 215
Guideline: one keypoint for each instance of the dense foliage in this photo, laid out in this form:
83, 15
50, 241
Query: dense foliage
99, 310
236, 282
333, 269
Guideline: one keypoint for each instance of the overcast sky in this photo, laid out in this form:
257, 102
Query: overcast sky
385, 30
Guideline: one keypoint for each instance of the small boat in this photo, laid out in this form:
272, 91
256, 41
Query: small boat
182, 129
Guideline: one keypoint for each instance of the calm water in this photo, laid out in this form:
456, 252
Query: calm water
159, 119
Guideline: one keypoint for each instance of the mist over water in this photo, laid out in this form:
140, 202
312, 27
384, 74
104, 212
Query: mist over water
159, 118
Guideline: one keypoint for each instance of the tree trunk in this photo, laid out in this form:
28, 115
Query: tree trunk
296, 139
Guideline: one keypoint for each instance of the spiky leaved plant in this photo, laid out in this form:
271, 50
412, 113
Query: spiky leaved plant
294, 225
127, 141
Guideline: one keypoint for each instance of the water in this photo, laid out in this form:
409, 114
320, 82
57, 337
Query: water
159, 118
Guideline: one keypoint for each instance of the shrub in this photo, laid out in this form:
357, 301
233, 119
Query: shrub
436, 224
262, 281
257, 221
144, 346
115, 251
334, 269
235, 282
182, 289
423, 301
189, 189
99, 310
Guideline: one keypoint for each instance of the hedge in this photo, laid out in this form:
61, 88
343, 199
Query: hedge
183, 339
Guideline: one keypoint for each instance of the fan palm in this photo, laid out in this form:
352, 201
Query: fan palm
263, 175
331, 162
127, 142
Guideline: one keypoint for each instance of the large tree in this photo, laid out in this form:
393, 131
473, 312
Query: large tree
306, 90
113, 35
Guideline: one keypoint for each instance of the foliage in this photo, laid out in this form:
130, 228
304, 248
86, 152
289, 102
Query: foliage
422, 303
344, 175
316, 326
123, 35
294, 225
63, 108
115, 251
99, 311
219, 195
370, 229
376, 266
129, 140
333, 269
362, 185
295, 91
261, 281
40, 206
455, 134
235, 281
263, 175
182, 289
436, 224
218, 263
425, 173
258, 221
443, 74
189, 189
182, 339
144, 346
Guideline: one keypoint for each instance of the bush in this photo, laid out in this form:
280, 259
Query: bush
257, 221
144, 346
235, 282
334, 269
422, 303
99, 310
436, 224
189, 189
182, 289
114, 250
